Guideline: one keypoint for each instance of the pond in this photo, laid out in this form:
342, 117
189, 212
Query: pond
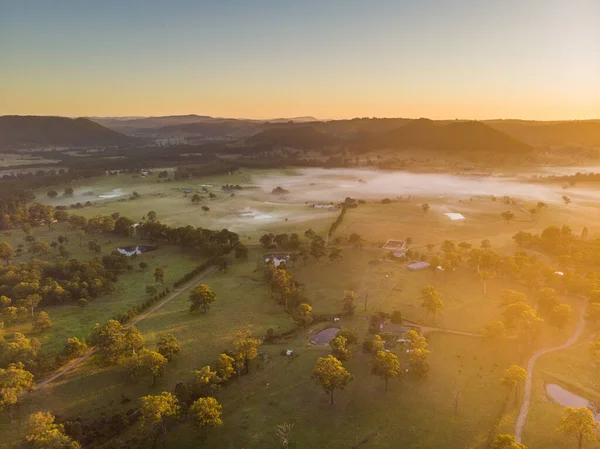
567, 399
325, 336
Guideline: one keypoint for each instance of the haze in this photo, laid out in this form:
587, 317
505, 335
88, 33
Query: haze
336, 59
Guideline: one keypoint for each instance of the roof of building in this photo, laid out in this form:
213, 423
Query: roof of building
418, 266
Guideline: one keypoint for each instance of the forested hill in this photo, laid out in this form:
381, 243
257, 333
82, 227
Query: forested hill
24, 131
560, 134
393, 134
454, 136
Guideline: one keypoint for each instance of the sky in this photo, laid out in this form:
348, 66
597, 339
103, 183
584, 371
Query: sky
442, 59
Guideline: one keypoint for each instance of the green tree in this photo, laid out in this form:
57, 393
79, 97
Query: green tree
206, 412
225, 367
152, 216
559, 315
303, 315
205, 208
31, 302
14, 380
579, 423
432, 300
159, 275
425, 207
52, 193
246, 348
348, 303
508, 216
331, 375
156, 410
386, 365
335, 254
513, 376
6, 252
44, 433
114, 342
201, 297
484, 277
146, 361
168, 346
339, 348
506, 441
206, 381
196, 198
75, 348
68, 191
42, 321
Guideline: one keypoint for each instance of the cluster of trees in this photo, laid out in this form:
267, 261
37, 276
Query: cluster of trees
33, 283
339, 218
572, 251
213, 243
288, 293
283, 241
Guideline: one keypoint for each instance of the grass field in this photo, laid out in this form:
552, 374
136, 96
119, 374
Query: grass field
415, 413
70, 320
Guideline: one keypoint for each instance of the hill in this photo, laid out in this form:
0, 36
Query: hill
301, 137
455, 136
18, 131
572, 133
226, 128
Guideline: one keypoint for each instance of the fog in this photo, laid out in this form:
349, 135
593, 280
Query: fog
317, 184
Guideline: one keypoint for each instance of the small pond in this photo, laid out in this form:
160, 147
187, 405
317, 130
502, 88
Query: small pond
567, 399
325, 336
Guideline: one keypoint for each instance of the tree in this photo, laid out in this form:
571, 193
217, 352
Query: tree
566, 199
246, 349
201, 297
584, 233
425, 207
68, 191
579, 423
143, 265
205, 209
317, 247
336, 255
355, 240
485, 276
339, 348
32, 301
225, 367
114, 342
241, 252
206, 412
196, 198
43, 433
432, 300
159, 275
52, 193
513, 375
14, 380
303, 315
168, 346
152, 216
508, 216
156, 410
508, 296
486, 244
348, 302
206, 381
42, 321
147, 361
283, 433
6, 252
310, 234
330, 374
494, 329
506, 441
75, 348
151, 289
386, 365
559, 315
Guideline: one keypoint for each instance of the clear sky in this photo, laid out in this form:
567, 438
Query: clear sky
533, 59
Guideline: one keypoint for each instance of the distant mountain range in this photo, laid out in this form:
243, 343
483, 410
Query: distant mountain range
364, 134
24, 131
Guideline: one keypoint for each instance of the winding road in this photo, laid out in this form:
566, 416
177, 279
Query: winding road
136, 320
530, 364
